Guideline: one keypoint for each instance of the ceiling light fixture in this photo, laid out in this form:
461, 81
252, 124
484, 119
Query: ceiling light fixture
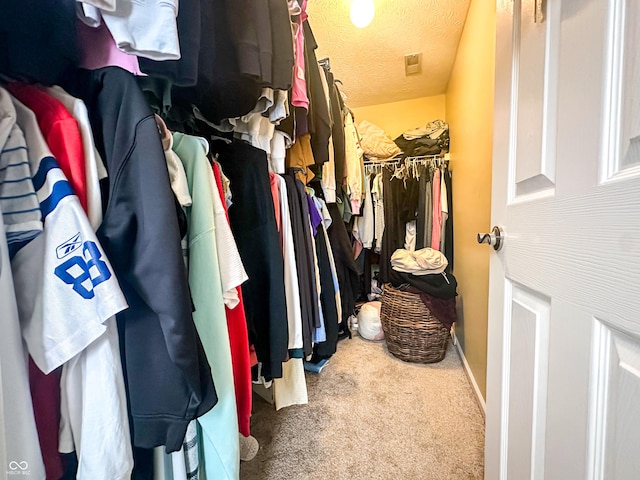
362, 12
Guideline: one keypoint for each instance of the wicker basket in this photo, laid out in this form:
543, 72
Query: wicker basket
412, 332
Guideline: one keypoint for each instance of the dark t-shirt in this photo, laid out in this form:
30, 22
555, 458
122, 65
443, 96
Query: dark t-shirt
37, 39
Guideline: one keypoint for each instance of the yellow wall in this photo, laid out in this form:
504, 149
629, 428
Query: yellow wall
396, 117
469, 107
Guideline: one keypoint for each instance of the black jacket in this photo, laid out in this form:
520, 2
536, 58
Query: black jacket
167, 375
253, 222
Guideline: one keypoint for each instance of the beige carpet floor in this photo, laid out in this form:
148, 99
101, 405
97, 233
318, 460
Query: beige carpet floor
371, 416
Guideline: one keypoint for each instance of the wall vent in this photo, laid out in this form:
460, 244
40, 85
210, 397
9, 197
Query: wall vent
412, 63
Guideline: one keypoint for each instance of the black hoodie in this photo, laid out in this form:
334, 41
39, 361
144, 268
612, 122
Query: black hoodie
167, 375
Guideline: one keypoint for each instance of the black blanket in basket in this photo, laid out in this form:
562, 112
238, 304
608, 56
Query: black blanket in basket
437, 292
440, 285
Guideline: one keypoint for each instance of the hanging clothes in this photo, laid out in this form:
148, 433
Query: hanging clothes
424, 225
291, 389
182, 72
377, 194
328, 179
68, 226
98, 49
330, 312
448, 244
291, 280
90, 403
299, 96
445, 211
346, 268
283, 48
364, 225
219, 426
85, 310
437, 211
223, 88
319, 333
319, 113
252, 216
304, 260
354, 168
21, 211
18, 434
38, 40
394, 227
238, 339
61, 132
326, 224
164, 396
94, 166
300, 157
337, 136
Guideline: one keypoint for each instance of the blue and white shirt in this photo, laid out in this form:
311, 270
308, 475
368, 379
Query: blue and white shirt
65, 286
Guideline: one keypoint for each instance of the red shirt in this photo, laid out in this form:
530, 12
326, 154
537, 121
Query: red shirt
61, 132
239, 343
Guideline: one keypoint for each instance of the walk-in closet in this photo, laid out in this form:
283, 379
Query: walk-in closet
253, 239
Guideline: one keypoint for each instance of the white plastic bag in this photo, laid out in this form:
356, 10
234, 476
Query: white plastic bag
369, 325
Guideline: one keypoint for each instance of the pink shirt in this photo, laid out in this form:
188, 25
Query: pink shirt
276, 199
437, 212
299, 97
98, 49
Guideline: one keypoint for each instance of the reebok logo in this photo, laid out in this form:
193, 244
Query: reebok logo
69, 246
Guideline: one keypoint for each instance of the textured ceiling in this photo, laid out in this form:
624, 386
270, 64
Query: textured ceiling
370, 61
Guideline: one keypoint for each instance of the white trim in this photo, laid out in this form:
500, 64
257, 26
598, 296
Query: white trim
506, 381
599, 398
612, 98
472, 379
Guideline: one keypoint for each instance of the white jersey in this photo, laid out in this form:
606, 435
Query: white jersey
19, 446
80, 295
94, 420
65, 286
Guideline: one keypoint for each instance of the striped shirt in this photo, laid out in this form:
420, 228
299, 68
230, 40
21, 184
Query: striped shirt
20, 208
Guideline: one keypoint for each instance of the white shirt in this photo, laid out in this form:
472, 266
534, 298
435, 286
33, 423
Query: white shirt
95, 169
377, 193
365, 224
277, 159
145, 28
291, 389
291, 286
3, 430
232, 272
19, 446
329, 167
177, 176
354, 166
65, 286
94, 421
280, 108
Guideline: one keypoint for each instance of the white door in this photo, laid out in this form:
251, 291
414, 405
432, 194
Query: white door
563, 387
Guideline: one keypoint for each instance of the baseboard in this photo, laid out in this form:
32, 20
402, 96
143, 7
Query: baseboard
472, 379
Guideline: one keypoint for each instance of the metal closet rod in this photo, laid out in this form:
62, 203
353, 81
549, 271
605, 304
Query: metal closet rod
431, 158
